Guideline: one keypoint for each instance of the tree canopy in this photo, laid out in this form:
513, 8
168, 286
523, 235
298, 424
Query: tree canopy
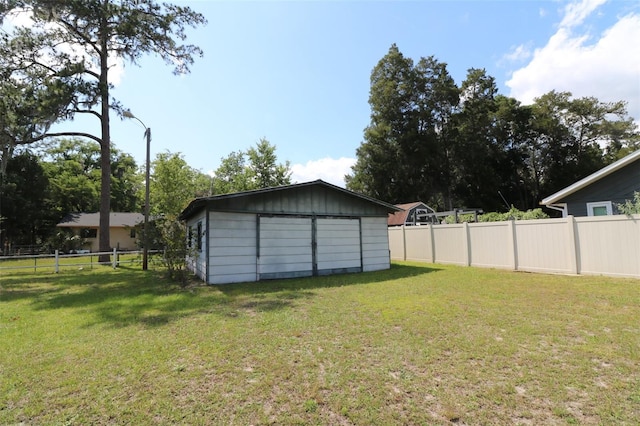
254, 168
468, 146
173, 184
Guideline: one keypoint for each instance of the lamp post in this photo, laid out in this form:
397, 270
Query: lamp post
145, 237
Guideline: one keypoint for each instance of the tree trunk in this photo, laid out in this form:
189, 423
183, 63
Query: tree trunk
105, 146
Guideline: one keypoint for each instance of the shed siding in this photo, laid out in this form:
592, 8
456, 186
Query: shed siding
375, 244
198, 263
285, 247
304, 201
232, 248
338, 242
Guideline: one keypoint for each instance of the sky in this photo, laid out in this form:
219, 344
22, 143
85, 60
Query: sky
297, 72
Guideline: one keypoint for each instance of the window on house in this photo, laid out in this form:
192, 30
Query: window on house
600, 208
132, 233
199, 241
89, 233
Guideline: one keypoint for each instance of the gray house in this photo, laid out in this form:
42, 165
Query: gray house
305, 229
599, 193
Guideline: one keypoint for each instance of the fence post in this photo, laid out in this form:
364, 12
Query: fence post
433, 244
115, 258
404, 243
57, 262
467, 244
574, 261
513, 244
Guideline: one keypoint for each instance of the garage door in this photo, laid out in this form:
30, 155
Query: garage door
338, 246
285, 248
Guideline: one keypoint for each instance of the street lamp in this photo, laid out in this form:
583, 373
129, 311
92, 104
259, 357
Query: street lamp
145, 239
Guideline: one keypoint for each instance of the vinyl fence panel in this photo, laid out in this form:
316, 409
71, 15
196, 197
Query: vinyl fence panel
609, 245
605, 245
491, 244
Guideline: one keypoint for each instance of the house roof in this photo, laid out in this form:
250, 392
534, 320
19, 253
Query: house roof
199, 203
92, 220
594, 177
400, 217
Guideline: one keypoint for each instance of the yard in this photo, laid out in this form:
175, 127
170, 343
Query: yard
418, 344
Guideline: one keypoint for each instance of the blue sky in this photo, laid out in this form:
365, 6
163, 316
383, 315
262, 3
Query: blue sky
297, 72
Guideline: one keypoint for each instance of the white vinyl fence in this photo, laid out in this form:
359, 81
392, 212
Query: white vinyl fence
602, 245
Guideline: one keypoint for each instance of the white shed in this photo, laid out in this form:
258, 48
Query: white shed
305, 229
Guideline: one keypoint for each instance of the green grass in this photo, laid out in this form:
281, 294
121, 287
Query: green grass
418, 344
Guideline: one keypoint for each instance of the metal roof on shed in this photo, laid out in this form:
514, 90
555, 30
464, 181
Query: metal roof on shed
308, 198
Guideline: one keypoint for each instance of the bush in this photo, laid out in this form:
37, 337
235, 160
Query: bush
512, 214
173, 234
65, 241
630, 207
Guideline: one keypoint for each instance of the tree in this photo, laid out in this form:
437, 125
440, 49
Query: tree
377, 171
24, 217
100, 31
256, 168
575, 137
73, 169
406, 153
478, 153
173, 184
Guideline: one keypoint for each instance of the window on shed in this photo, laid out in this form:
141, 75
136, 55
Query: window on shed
199, 242
600, 208
190, 237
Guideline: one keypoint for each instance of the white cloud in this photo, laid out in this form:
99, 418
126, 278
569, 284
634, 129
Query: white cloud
607, 67
518, 54
577, 12
328, 169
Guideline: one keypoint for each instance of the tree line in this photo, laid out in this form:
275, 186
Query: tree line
41, 186
468, 146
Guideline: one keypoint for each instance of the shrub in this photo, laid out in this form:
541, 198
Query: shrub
512, 214
173, 234
630, 207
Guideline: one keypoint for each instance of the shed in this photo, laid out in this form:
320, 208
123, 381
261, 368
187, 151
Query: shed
600, 192
305, 229
414, 213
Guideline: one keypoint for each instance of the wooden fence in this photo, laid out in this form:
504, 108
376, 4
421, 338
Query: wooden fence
602, 245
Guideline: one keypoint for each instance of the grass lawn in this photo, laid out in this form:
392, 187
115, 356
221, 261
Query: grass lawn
418, 344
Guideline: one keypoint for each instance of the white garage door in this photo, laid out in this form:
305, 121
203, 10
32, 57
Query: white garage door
338, 245
285, 248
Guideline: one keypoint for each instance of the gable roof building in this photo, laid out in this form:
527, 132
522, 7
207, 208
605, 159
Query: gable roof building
121, 228
600, 192
305, 229
411, 214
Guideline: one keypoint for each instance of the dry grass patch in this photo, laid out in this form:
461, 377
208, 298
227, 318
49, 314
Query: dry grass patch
418, 344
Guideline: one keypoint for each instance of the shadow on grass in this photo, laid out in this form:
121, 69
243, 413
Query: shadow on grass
310, 283
132, 297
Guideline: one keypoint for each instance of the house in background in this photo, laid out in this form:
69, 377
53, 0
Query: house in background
599, 193
412, 214
122, 229
299, 230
